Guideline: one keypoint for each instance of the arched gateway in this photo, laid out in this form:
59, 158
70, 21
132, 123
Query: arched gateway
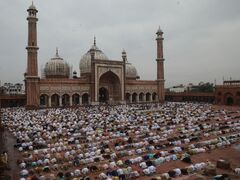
109, 88
228, 99
103, 95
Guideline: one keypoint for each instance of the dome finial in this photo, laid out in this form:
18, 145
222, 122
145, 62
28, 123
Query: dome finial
124, 55
57, 52
32, 7
94, 43
159, 31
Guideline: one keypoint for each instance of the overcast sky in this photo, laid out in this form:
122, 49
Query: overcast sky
202, 37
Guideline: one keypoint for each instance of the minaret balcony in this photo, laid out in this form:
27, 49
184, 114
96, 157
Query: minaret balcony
32, 48
160, 59
32, 18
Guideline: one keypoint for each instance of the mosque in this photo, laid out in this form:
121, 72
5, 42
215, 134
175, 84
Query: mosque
101, 80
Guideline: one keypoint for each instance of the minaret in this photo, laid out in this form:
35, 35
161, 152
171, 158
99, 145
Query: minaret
160, 67
31, 78
93, 90
124, 57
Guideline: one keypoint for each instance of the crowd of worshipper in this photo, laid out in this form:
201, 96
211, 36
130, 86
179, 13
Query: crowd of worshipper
117, 142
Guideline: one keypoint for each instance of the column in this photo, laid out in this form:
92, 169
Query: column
49, 101
130, 98
137, 98
60, 101
80, 100
70, 100
144, 97
150, 98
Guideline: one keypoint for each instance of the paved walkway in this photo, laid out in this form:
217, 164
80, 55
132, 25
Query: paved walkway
7, 142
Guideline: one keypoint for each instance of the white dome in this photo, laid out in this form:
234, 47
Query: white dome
131, 71
85, 62
56, 67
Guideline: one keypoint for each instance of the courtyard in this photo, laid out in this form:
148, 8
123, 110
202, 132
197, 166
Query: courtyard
141, 141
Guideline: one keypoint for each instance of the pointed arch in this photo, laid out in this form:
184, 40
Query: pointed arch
134, 97
228, 99
44, 100
111, 82
75, 99
148, 97
55, 100
85, 98
66, 100
154, 96
128, 97
141, 97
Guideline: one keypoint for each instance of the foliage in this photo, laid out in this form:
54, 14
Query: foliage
203, 87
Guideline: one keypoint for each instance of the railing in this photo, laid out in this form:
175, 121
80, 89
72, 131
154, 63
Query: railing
12, 96
195, 94
228, 86
236, 82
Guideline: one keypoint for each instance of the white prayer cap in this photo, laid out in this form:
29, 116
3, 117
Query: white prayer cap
112, 165
73, 152
80, 156
24, 172
107, 150
98, 152
178, 171
53, 150
85, 170
103, 176
64, 148
66, 154
59, 149
78, 146
77, 172
23, 165
54, 160
46, 161
87, 154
